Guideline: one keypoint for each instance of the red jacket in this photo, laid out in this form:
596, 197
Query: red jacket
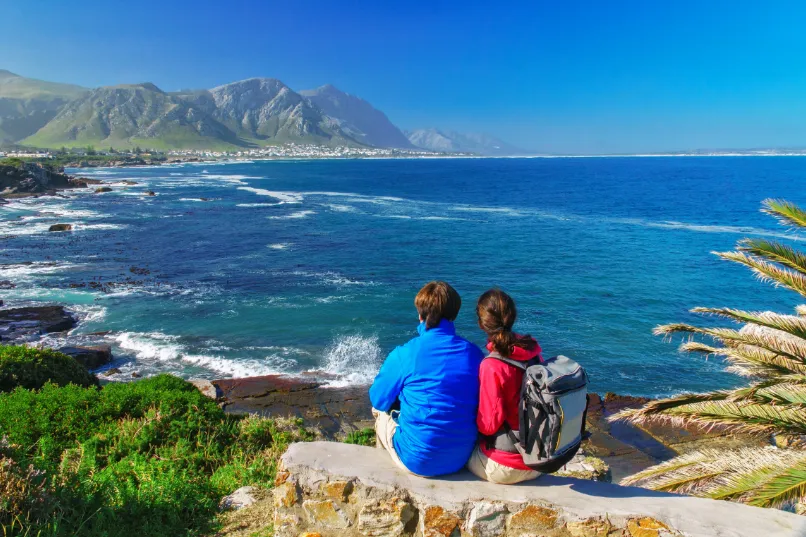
500, 386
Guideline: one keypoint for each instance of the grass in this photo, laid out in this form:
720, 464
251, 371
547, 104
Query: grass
32, 368
364, 437
149, 458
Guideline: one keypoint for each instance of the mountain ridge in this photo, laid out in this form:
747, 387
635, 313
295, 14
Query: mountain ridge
248, 113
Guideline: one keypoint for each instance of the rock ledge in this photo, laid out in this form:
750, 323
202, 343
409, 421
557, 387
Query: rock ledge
338, 489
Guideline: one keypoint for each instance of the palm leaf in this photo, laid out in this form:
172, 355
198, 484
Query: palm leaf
767, 477
768, 272
800, 309
791, 324
775, 252
788, 485
785, 212
789, 347
720, 412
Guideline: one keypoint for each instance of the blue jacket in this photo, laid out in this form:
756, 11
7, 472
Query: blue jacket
436, 379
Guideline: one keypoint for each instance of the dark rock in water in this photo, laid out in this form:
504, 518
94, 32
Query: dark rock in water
25, 324
6, 284
31, 179
110, 372
129, 182
89, 181
90, 357
204, 199
136, 375
102, 190
150, 193
61, 227
3, 201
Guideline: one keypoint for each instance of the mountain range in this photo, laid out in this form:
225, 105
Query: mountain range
244, 114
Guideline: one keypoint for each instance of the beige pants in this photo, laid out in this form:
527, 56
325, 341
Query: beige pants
488, 469
385, 428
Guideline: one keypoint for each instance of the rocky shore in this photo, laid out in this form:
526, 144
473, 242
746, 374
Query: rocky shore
31, 179
335, 412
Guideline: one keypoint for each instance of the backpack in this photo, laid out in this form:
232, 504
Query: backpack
552, 411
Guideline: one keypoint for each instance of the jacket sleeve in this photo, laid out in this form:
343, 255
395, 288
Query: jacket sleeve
387, 385
491, 400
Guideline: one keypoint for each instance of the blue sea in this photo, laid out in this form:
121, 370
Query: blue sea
299, 266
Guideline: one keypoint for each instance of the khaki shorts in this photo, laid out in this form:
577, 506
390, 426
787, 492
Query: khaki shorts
385, 427
489, 470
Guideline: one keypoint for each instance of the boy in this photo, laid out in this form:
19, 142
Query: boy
435, 380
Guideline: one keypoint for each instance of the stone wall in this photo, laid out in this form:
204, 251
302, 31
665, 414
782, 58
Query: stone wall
331, 489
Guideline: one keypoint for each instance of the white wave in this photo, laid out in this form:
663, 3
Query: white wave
150, 346
162, 352
197, 199
332, 278
98, 227
230, 177
298, 214
280, 246
342, 208
499, 210
88, 313
354, 359
284, 197
258, 204
24, 270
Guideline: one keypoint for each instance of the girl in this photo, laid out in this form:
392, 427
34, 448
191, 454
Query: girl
495, 458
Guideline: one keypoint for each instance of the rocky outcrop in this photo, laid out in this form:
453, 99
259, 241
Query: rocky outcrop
90, 357
61, 227
334, 489
620, 449
103, 189
32, 179
27, 324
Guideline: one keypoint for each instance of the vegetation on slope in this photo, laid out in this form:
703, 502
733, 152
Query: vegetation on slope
32, 368
152, 457
769, 348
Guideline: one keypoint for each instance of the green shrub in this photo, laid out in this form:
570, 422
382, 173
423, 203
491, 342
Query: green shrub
152, 457
364, 437
31, 368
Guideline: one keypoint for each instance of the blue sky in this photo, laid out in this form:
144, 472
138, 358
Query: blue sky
568, 77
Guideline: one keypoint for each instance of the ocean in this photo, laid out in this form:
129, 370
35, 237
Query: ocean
296, 266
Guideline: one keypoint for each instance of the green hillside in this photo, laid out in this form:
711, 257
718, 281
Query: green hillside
27, 104
133, 115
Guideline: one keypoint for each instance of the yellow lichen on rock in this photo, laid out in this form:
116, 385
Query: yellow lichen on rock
437, 522
645, 527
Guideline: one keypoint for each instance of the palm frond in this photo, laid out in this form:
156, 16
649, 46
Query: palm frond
784, 211
767, 477
777, 343
736, 417
791, 324
768, 272
788, 485
800, 309
775, 252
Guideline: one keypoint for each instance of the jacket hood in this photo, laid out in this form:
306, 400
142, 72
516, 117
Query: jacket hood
519, 354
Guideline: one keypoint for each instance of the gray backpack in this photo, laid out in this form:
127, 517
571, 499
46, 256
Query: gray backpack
553, 407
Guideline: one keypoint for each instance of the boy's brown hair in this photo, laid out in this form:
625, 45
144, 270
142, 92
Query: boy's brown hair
437, 300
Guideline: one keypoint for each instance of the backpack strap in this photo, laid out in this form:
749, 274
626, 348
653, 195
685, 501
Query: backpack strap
509, 361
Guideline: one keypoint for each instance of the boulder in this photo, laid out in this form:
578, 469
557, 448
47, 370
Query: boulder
150, 193
26, 324
243, 497
102, 190
90, 357
61, 227
383, 500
